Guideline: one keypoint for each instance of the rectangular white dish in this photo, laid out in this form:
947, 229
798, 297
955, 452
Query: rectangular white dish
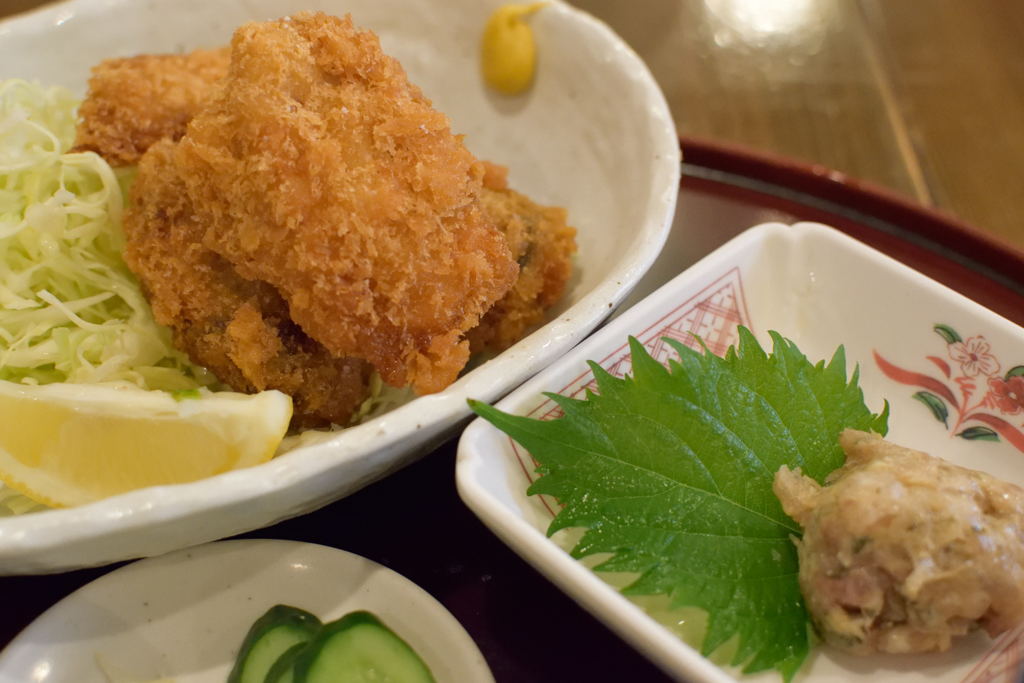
821, 289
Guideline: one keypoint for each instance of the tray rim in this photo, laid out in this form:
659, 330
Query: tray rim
868, 204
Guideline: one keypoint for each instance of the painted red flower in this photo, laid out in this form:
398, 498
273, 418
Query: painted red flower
1008, 394
974, 357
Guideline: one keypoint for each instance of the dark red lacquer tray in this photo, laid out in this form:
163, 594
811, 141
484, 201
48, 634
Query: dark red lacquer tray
414, 522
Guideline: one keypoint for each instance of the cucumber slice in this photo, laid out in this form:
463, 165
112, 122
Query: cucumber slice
279, 629
358, 648
283, 670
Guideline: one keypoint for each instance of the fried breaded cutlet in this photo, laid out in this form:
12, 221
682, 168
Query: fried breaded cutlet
133, 102
237, 328
542, 244
319, 169
318, 216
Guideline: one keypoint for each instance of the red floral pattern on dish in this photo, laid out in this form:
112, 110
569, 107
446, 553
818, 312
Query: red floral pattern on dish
975, 402
1008, 394
1001, 664
972, 398
974, 357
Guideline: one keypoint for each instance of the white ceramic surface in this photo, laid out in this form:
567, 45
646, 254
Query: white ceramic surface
182, 616
821, 289
593, 134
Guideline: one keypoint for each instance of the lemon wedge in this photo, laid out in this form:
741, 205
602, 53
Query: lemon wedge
69, 444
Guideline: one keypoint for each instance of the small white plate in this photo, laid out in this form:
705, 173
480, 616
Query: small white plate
821, 289
182, 616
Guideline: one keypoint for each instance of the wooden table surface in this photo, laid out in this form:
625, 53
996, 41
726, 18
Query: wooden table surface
922, 97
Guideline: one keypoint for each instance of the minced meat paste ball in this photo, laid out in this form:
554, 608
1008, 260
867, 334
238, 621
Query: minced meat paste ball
903, 551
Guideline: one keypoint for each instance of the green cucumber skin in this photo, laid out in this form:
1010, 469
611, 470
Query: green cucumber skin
290, 625
283, 670
358, 648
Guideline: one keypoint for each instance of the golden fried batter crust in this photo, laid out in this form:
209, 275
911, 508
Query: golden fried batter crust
319, 169
238, 328
135, 101
402, 301
542, 243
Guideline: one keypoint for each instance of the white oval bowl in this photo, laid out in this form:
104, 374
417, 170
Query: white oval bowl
594, 134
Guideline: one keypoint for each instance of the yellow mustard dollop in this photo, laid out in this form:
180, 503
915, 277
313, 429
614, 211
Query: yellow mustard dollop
508, 51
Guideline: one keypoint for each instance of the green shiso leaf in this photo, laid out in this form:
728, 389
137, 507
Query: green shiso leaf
670, 471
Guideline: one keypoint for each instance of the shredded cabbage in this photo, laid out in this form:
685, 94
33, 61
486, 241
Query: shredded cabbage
70, 310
